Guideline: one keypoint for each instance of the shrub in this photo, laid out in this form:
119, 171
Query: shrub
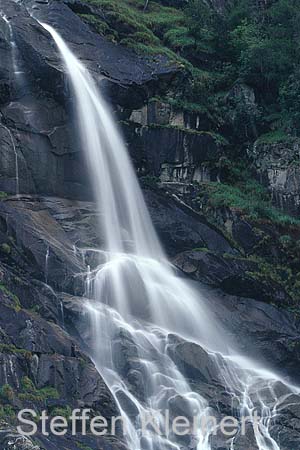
27, 385
7, 393
17, 304
3, 195
249, 197
64, 412
5, 248
29, 392
7, 413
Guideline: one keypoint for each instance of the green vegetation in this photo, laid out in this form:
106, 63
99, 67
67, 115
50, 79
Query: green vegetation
254, 43
149, 181
249, 197
3, 195
62, 411
274, 137
7, 413
281, 275
159, 30
6, 393
9, 348
5, 248
83, 446
30, 393
13, 297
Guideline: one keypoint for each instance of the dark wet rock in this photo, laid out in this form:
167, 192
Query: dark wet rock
34, 227
180, 155
39, 243
117, 63
10, 439
70, 442
266, 333
37, 111
47, 355
193, 360
78, 381
171, 145
127, 404
234, 275
181, 228
27, 331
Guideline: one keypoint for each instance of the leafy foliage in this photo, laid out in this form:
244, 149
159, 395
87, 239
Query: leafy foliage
30, 393
250, 198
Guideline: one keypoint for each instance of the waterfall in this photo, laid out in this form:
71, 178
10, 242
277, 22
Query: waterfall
136, 297
47, 264
18, 74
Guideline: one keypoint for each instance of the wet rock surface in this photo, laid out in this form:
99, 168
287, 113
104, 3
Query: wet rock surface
35, 106
49, 233
37, 321
180, 228
233, 274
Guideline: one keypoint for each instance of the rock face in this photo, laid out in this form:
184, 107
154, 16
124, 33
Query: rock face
180, 228
35, 114
48, 233
233, 275
174, 148
40, 144
278, 167
43, 333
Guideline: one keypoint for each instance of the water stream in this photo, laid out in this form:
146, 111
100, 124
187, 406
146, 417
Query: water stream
136, 298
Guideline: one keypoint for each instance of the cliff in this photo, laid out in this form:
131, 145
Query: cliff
222, 191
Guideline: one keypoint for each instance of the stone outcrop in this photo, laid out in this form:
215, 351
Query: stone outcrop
278, 166
174, 147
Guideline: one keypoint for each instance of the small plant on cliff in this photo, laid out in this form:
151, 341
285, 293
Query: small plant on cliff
3, 195
64, 412
5, 248
27, 385
7, 393
7, 413
249, 197
31, 393
13, 297
83, 446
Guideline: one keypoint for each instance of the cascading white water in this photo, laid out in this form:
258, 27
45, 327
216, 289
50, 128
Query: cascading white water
136, 296
17, 72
